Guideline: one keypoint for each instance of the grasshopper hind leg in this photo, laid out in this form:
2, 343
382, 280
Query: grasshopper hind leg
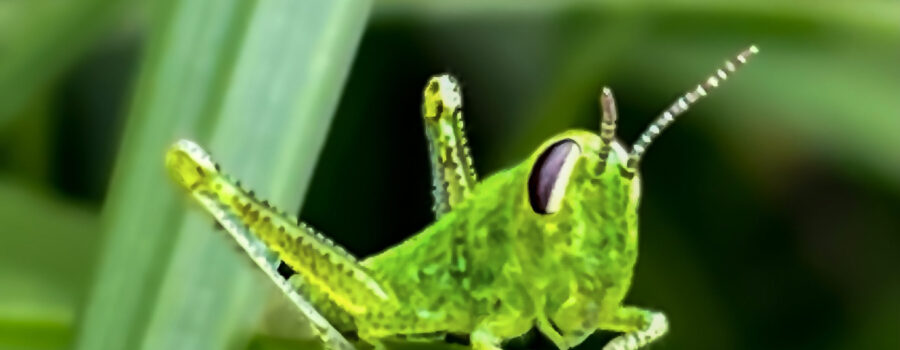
341, 320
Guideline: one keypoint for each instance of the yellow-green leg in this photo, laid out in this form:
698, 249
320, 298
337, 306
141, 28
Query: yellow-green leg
544, 326
640, 327
453, 175
494, 329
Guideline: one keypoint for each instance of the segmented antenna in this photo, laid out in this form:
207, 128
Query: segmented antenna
607, 122
683, 103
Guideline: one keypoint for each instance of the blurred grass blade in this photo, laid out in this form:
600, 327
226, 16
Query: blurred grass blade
40, 38
178, 87
255, 81
285, 86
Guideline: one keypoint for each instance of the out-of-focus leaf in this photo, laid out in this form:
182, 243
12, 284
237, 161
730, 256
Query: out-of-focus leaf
40, 38
48, 248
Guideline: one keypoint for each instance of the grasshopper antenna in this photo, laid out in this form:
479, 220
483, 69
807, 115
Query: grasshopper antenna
683, 103
607, 123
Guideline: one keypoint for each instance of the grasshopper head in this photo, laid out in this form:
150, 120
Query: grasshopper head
575, 165
581, 201
582, 168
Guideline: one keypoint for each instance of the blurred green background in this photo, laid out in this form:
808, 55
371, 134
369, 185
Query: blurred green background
769, 217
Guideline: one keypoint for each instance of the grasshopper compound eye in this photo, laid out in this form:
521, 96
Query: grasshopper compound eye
550, 175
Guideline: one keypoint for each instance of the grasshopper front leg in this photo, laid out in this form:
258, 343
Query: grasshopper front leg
453, 175
640, 327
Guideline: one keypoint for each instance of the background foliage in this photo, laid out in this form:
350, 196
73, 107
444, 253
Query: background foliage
768, 217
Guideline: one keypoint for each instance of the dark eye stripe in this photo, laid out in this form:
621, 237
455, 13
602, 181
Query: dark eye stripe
545, 173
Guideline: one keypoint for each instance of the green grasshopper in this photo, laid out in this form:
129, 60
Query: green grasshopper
550, 243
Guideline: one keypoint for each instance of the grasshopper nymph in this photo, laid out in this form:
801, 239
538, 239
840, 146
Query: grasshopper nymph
550, 243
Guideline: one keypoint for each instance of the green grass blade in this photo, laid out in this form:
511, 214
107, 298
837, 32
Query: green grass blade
258, 85
179, 83
284, 89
